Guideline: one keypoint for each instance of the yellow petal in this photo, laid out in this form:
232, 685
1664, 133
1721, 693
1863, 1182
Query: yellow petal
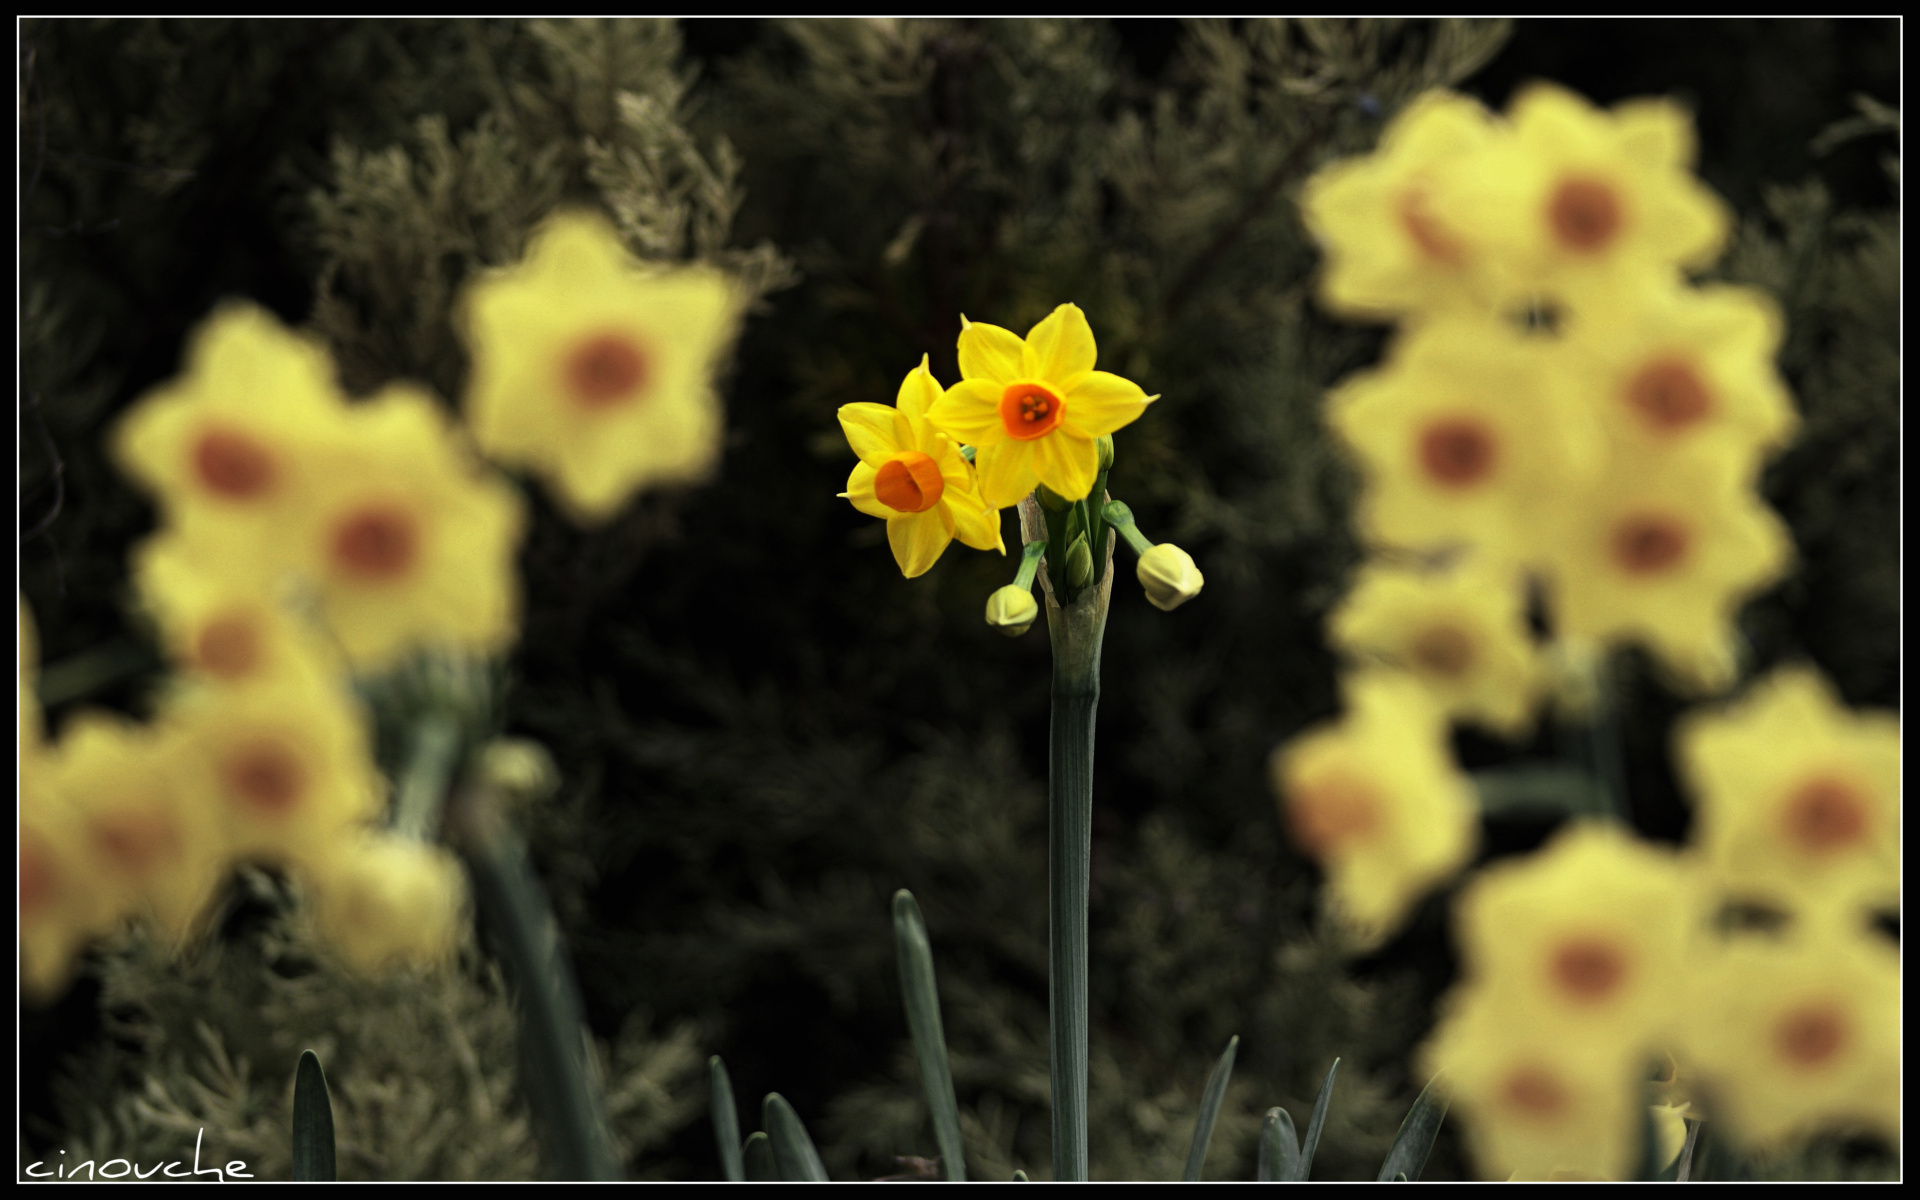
970, 412
1066, 464
1101, 403
989, 352
975, 524
860, 492
918, 391
873, 430
1006, 472
918, 540
1059, 347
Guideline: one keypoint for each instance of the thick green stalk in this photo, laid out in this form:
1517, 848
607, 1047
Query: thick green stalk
1077, 630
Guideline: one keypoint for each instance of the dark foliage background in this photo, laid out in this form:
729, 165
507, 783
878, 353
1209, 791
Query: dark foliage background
762, 730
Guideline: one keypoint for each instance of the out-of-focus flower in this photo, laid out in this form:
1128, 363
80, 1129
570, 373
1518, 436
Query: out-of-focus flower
1585, 937
1388, 253
1535, 1103
1798, 798
1796, 1036
1575, 197
1663, 552
1376, 799
150, 844
1462, 633
229, 446
1035, 409
61, 905
217, 628
595, 372
1671, 370
1459, 440
1169, 576
284, 766
383, 900
410, 543
914, 477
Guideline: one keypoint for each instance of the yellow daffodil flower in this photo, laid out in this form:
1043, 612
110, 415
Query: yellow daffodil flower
229, 446
61, 905
1463, 633
1534, 1103
151, 845
383, 900
1683, 370
1586, 937
1388, 253
594, 372
1575, 197
1459, 439
215, 627
914, 477
1662, 551
1376, 799
408, 542
1797, 798
1034, 410
284, 766
1798, 1036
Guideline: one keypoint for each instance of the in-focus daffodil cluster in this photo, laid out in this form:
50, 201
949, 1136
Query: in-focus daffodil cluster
1030, 416
1561, 410
307, 540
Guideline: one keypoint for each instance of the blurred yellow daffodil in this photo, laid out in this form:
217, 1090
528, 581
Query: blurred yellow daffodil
382, 900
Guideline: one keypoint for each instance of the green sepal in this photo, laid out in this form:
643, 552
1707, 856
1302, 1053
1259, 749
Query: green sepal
794, 1158
1279, 1148
1407, 1157
1210, 1099
313, 1160
921, 992
726, 1120
1315, 1124
757, 1157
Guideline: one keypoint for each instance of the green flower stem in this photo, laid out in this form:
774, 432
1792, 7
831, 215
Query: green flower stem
416, 811
1030, 564
1077, 629
565, 1102
1120, 517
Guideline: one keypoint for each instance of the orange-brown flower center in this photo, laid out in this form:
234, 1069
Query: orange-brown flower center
909, 482
1669, 395
607, 370
1811, 1034
1444, 650
1584, 214
1030, 410
1649, 543
1534, 1092
1458, 452
229, 646
267, 776
1825, 815
1428, 235
39, 877
233, 465
1329, 814
136, 842
1587, 969
376, 543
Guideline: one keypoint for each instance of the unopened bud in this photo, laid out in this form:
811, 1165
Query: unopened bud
1012, 610
1105, 442
520, 768
1079, 563
1170, 576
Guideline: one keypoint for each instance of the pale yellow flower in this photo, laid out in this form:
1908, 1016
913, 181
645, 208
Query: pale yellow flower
217, 628
382, 900
61, 906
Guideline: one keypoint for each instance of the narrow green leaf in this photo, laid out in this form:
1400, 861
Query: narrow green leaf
757, 1156
726, 1121
794, 1158
922, 996
1279, 1148
1548, 789
1314, 1124
312, 1123
1209, 1109
1408, 1155
1020, 1177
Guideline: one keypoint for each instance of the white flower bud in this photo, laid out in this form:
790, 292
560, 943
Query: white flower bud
1168, 574
1012, 610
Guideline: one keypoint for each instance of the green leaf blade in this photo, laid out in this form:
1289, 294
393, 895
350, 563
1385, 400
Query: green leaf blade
921, 993
1210, 1099
794, 1158
1279, 1148
1315, 1124
757, 1157
313, 1157
726, 1121
1407, 1157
